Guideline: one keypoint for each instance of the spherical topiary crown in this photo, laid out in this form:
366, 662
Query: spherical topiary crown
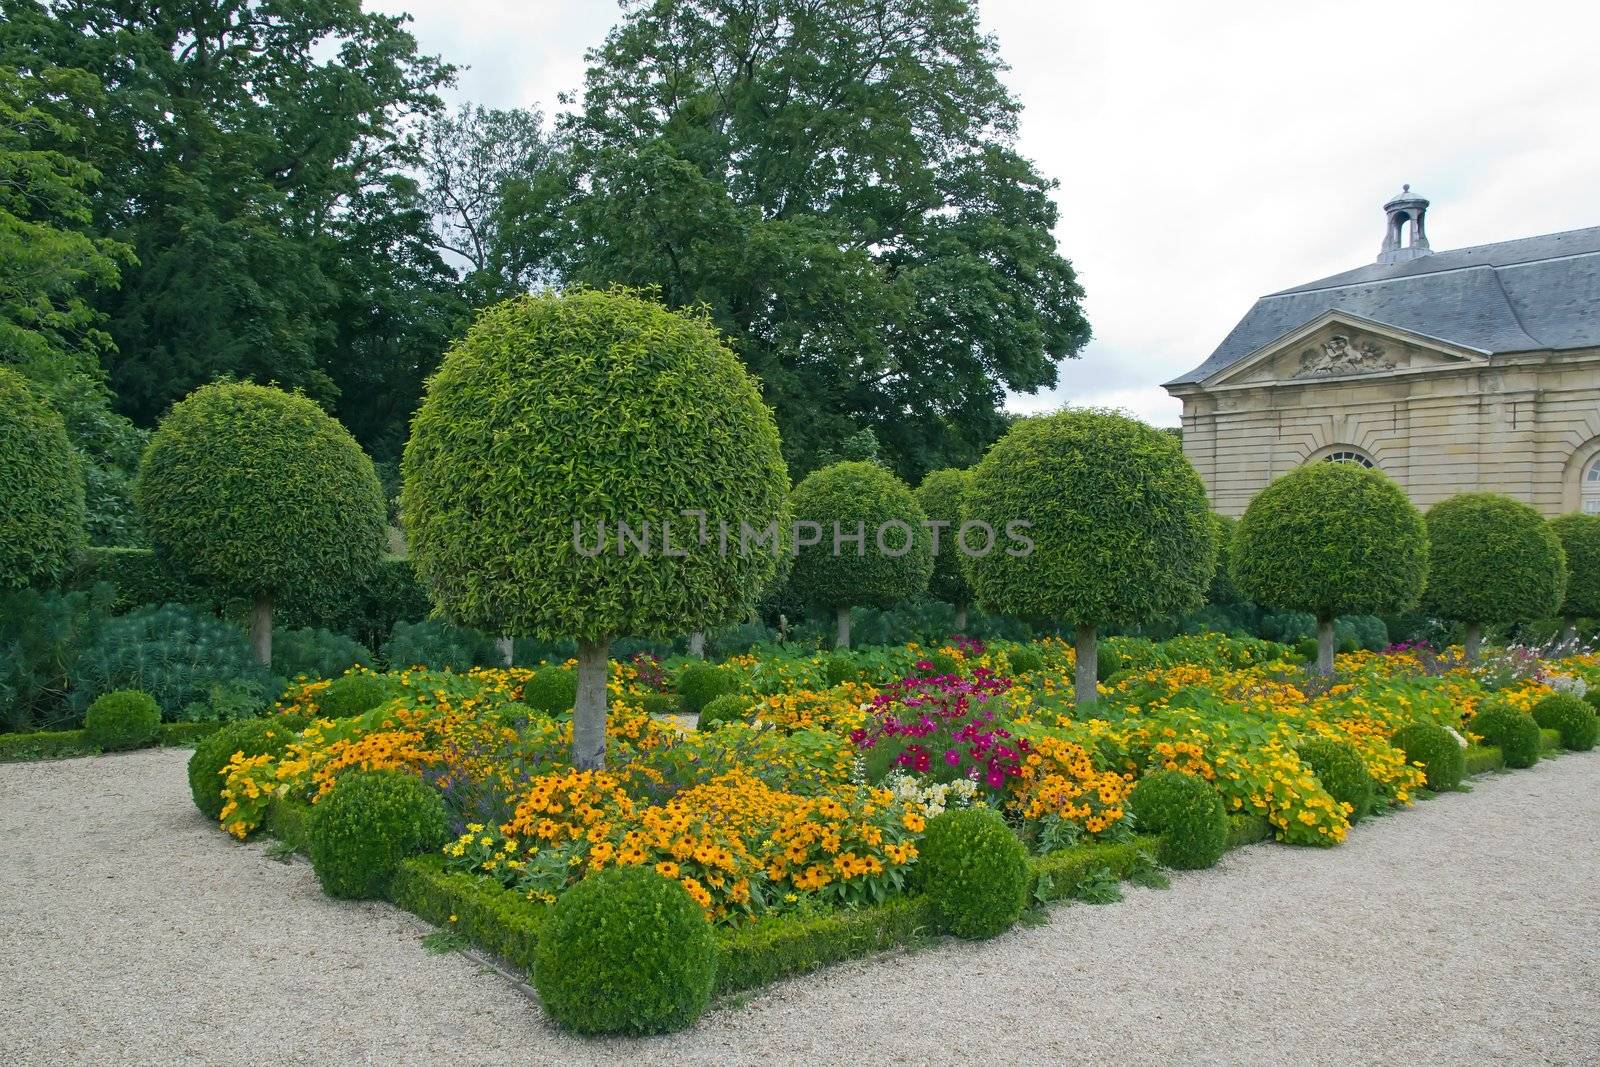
1494, 559
1579, 535
255, 491
860, 497
557, 413
41, 488
942, 495
1120, 523
1331, 539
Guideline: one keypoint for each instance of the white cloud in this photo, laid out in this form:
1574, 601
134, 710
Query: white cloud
1210, 153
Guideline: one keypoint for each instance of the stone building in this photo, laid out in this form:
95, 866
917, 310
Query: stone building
1476, 369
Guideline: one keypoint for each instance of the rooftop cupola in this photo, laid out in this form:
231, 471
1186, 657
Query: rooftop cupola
1405, 209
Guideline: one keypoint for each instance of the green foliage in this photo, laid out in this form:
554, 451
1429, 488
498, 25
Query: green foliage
41, 636
1026, 660
316, 653
1494, 560
503, 921
1515, 734
1121, 526
248, 737
43, 745
700, 683
975, 872
355, 694
729, 707
785, 945
171, 652
1223, 590
552, 690
41, 489
137, 576
1066, 873
851, 497
660, 705
1436, 750
227, 702
438, 646
1188, 814
1574, 719
1331, 539
122, 720
1338, 766
942, 496
625, 951
1579, 535
367, 825
252, 492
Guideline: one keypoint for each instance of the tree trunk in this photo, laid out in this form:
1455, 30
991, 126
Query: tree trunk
261, 629
506, 647
589, 710
841, 638
1085, 682
961, 617
1474, 641
697, 644
1324, 646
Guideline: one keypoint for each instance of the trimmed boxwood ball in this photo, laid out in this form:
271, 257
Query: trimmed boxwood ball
1339, 767
552, 690
857, 496
1120, 526
1436, 750
248, 737
1579, 535
367, 824
700, 683
942, 495
1516, 735
257, 493
729, 707
41, 489
559, 416
625, 951
1495, 560
354, 694
1189, 815
1026, 660
1331, 539
975, 872
1574, 719
122, 720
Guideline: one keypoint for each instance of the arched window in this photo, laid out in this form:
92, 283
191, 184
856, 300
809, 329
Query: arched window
1350, 455
1589, 488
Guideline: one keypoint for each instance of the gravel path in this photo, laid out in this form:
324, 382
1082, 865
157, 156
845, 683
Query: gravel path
1464, 931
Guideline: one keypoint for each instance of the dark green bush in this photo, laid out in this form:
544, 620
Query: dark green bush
126, 719
661, 704
1338, 766
1516, 735
137, 576
700, 683
838, 668
250, 737
367, 824
227, 702
1494, 560
41, 488
625, 951
316, 653
1572, 718
1107, 663
1222, 589
355, 694
975, 872
1306, 649
42, 634
173, 653
1579, 535
1026, 660
1188, 814
439, 646
552, 690
1436, 750
729, 707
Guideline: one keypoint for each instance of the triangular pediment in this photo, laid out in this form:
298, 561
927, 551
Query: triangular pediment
1337, 345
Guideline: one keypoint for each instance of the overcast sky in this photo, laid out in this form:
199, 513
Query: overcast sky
1210, 153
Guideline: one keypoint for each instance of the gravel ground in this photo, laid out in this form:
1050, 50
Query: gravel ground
1465, 931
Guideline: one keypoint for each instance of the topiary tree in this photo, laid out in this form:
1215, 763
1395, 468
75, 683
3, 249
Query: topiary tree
1331, 539
975, 872
859, 538
1494, 561
41, 489
1579, 535
1189, 815
258, 493
942, 496
1118, 521
570, 453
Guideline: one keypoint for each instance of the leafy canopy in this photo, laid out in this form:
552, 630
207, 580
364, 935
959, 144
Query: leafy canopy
942, 495
860, 497
1331, 539
1579, 535
41, 489
1495, 560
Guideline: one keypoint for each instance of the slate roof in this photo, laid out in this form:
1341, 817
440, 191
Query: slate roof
1532, 294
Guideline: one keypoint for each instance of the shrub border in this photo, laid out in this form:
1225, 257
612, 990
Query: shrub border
65, 744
